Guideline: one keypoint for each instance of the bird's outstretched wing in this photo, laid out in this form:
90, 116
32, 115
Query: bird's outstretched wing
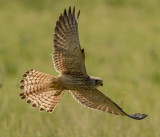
68, 56
97, 100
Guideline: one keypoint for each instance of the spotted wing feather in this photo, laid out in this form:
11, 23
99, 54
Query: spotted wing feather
68, 57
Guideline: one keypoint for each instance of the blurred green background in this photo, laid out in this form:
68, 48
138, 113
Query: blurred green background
121, 39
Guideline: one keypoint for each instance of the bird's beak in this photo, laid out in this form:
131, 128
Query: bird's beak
101, 84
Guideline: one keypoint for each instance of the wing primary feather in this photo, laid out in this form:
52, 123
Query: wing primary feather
65, 13
73, 12
61, 19
78, 15
58, 25
70, 22
69, 11
66, 17
56, 30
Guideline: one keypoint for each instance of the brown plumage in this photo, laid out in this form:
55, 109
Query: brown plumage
69, 60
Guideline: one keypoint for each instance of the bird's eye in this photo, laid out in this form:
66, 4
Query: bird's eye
96, 81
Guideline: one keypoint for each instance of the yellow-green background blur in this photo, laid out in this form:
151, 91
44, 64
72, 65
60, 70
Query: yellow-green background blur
121, 39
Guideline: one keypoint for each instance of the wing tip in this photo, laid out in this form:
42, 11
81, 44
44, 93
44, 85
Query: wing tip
138, 116
70, 12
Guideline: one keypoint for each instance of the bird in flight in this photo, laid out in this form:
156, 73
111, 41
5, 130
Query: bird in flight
46, 90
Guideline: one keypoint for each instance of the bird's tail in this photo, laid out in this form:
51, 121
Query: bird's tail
40, 89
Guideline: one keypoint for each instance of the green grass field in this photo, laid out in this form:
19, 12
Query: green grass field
121, 39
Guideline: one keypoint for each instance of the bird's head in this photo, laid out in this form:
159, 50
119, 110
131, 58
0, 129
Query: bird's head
97, 81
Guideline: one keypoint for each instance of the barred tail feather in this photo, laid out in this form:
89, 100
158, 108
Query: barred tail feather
39, 89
